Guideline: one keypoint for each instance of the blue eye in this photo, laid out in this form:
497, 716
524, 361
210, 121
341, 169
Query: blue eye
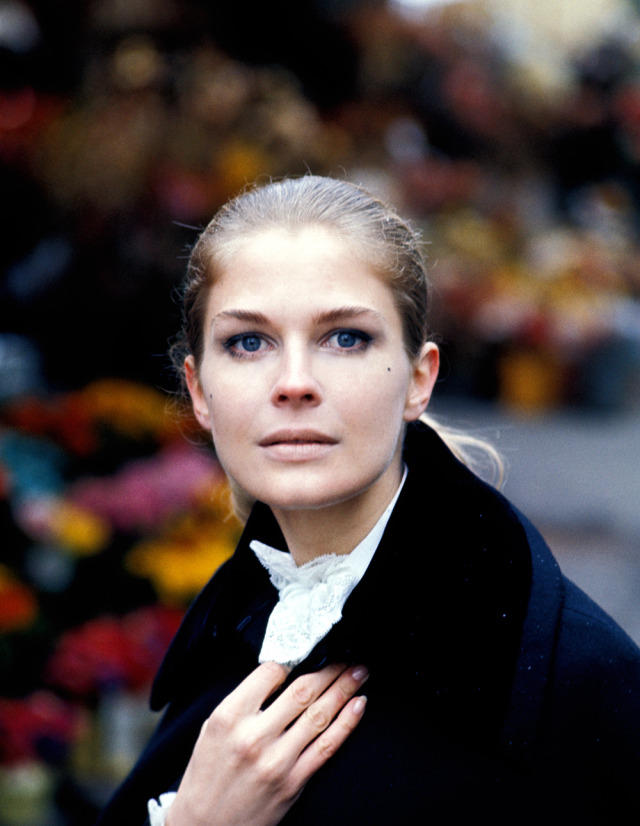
349, 340
245, 343
250, 343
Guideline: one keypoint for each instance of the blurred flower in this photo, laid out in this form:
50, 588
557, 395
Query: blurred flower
49, 568
18, 604
78, 529
62, 419
34, 465
90, 658
131, 409
181, 561
26, 793
145, 493
38, 727
76, 421
179, 567
4, 482
109, 653
20, 361
63, 523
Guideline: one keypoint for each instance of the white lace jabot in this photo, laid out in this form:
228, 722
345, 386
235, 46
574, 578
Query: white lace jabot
313, 595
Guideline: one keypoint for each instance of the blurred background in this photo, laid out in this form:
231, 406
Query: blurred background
507, 130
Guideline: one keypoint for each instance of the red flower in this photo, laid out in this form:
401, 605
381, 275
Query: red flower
109, 652
64, 419
39, 727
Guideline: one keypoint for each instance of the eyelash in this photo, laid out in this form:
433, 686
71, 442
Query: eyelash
364, 339
230, 344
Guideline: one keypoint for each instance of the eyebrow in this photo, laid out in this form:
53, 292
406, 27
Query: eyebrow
332, 316
241, 315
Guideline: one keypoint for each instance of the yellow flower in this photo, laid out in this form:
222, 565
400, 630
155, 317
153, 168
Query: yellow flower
180, 562
78, 530
132, 409
179, 568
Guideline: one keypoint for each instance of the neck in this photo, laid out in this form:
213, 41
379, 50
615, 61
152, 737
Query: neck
336, 529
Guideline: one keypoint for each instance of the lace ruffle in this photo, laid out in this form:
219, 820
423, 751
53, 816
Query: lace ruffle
310, 603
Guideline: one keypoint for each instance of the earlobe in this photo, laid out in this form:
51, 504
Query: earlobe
198, 401
423, 379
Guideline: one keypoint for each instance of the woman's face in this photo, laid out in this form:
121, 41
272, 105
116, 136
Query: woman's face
305, 384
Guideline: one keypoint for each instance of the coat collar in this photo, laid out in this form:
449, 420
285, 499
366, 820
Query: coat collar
458, 607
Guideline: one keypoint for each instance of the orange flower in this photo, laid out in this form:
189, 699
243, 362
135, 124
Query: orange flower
18, 605
131, 409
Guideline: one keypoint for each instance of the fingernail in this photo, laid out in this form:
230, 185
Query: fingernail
359, 705
359, 673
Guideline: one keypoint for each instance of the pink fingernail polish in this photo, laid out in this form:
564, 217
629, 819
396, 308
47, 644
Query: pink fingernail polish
359, 705
359, 673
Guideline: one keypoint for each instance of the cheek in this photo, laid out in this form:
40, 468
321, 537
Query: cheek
233, 408
225, 415
378, 405
226, 434
227, 397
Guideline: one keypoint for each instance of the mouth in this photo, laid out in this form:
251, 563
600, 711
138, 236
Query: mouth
296, 437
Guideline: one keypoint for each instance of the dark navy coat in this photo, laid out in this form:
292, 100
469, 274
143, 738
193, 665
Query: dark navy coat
498, 690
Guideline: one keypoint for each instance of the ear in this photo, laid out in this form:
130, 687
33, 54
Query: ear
198, 400
423, 378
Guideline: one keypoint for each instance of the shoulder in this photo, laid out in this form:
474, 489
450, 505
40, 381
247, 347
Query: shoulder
591, 645
580, 643
592, 717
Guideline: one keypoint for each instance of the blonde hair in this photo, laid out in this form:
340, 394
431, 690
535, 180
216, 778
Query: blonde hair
386, 241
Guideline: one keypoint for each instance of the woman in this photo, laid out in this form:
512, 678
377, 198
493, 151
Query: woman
370, 553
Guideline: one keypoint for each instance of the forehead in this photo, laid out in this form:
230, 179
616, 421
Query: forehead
311, 264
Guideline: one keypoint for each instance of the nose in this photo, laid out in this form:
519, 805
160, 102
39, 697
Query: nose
295, 383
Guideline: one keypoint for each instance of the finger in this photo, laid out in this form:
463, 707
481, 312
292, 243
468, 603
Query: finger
254, 690
320, 714
328, 743
297, 697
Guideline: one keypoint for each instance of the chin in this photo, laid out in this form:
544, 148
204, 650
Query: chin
312, 498
298, 502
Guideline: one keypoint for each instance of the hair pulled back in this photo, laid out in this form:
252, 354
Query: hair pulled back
373, 230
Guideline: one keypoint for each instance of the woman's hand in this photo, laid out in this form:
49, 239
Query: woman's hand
249, 766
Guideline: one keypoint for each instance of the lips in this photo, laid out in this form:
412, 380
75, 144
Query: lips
293, 446
296, 437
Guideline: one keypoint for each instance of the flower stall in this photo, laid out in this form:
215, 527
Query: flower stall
113, 517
